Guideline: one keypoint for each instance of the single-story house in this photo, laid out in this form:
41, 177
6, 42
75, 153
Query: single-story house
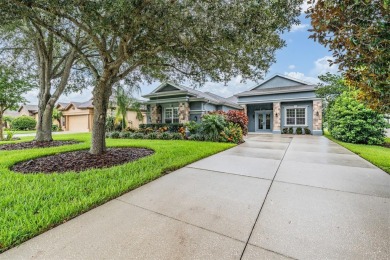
282, 102
78, 116
173, 103
29, 110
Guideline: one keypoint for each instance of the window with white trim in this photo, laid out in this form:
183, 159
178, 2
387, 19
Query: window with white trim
171, 115
296, 116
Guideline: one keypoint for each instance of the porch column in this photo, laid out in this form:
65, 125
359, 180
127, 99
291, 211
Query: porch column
154, 113
277, 118
317, 117
184, 112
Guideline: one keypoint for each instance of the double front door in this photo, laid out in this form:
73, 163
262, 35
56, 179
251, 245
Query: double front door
263, 121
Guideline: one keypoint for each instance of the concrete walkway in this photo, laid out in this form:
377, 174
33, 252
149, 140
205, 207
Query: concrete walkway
273, 197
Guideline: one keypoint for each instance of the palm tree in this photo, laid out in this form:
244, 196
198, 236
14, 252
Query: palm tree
124, 102
57, 115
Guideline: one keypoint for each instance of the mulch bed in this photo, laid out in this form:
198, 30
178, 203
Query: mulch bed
81, 160
387, 145
35, 144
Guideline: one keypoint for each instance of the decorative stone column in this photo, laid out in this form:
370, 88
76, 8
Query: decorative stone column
155, 113
317, 117
277, 118
184, 112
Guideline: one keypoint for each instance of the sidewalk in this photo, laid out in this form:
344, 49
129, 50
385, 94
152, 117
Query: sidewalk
273, 197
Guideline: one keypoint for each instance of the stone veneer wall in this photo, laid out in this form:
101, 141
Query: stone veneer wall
184, 112
277, 116
317, 119
155, 115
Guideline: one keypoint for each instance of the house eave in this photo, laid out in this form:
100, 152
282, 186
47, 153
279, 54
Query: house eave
276, 100
272, 92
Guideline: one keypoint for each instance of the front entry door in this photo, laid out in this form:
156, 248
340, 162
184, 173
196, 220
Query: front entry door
263, 121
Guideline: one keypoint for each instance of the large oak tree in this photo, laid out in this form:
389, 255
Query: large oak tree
195, 40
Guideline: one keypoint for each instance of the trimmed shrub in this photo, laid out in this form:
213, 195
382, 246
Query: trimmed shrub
290, 130
285, 130
137, 136
115, 135
197, 137
351, 121
177, 136
151, 136
126, 135
299, 131
232, 134
155, 127
193, 127
23, 123
54, 128
165, 136
212, 126
307, 131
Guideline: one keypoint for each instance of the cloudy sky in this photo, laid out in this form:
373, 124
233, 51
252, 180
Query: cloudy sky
302, 58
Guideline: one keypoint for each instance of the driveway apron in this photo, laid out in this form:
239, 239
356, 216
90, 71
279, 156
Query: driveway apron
273, 197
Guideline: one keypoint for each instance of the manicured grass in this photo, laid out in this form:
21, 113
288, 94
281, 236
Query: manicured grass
377, 155
22, 132
31, 204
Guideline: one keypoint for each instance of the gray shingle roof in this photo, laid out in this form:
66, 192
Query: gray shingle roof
277, 90
211, 97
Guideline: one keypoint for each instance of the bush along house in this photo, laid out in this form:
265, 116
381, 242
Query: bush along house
171, 103
282, 104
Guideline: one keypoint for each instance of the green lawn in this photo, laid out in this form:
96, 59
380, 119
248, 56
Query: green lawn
22, 132
32, 204
378, 155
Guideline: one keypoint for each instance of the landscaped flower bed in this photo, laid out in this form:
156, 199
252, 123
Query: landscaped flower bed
216, 126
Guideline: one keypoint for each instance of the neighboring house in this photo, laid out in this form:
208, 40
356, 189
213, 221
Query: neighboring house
280, 102
78, 116
29, 110
173, 103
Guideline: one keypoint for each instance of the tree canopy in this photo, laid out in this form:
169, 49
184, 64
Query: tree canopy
190, 40
12, 89
358, 34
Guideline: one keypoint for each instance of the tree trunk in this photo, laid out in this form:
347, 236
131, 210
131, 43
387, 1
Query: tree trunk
101, 98
1, 125
45, 122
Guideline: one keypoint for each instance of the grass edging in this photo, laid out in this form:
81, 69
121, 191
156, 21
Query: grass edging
34, 203
375, 154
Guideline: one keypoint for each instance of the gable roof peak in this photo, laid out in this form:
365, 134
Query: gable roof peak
278, 75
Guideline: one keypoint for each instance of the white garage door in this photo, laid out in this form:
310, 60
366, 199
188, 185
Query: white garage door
78, 123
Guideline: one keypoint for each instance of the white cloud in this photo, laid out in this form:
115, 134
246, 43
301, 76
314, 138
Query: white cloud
234, 86
304, 6
302, 76
86, 94
299, 27
321, 66
291, 67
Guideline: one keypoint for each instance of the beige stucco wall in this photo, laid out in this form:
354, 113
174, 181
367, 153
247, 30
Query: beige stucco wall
132, 120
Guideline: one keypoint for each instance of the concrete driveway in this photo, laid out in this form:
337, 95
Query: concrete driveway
273, 197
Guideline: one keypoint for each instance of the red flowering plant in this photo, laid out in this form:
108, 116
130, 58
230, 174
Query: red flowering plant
236, 117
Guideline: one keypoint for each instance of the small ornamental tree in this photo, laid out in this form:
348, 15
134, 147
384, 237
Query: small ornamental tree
11, 90
351, 121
